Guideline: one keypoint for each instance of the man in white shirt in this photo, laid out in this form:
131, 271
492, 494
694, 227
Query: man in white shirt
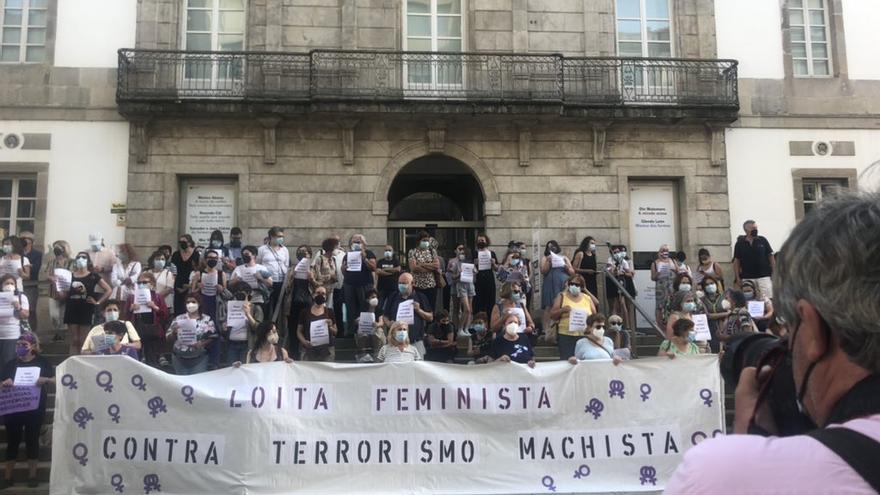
276, 258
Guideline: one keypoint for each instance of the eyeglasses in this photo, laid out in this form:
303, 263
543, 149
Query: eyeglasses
599, 327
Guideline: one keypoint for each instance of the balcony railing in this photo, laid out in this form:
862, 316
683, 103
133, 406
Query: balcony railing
394, 76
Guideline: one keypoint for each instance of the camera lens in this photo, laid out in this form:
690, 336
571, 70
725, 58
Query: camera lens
743, 351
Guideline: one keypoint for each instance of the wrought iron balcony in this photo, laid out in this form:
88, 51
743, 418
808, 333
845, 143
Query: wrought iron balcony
319, 76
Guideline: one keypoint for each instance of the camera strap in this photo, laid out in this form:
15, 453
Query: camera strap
859, 451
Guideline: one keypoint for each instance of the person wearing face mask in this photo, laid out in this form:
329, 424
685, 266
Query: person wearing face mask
166, 251
31, 283
26, 424
512, 300
484, 281
387, 271
683, 306
481, 340
752, 292
555, 278
298, 298
60, 260
616, 331
516, 270
82, 299
713, 302
275, 256
266, 348
620, 268
112, 311
421, 317
664, 269
682, 342
398, 349
189, 356
594, 346
682, 283
233, 251
187, 260
709, 268
324, 270
584, 263
102, 258
464, 291
216, 244
573, 298
124, 274
10, 326
237, 336
14, 262
254, 275
512, 346
833, 320
210, 282
115, 331
739, 321
316, 313
157, 264
440, 339
753, 259
369, 345
424, 264
357, 282
149, 320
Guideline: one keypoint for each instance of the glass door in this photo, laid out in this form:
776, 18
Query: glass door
644, 31
214, 25
433, 26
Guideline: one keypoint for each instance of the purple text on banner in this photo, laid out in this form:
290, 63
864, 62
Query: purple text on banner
19, 399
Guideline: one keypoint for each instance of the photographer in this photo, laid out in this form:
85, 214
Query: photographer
833, 319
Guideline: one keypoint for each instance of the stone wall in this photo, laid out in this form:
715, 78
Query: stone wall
561, 194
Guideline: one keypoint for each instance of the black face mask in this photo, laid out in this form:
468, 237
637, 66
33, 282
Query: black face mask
320, 299
236, 243
481, 245
212, 263
246, 257
241, 296
183, 245
754, 232
300, 256
58, 251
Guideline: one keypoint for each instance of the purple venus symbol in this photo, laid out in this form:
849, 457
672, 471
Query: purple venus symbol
595, 407
82, 416
706, 395
156, 405
151, 483
645, 389
80, 451
105, 380
648, 475
615, 388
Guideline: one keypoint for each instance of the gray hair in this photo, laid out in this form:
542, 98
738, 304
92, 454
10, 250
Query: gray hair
747, 223
832, 260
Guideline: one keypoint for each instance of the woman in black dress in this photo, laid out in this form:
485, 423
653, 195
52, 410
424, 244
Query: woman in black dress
82, 300
484, 285
186, 260
584, 263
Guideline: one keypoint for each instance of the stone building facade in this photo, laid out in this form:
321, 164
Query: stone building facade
532, 128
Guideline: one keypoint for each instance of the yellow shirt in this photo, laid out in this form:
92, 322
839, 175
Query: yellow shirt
583, 304
130, 336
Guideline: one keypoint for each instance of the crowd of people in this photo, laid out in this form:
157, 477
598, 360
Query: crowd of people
198, 308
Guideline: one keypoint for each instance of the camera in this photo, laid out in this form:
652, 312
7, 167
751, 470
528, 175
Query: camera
778, 391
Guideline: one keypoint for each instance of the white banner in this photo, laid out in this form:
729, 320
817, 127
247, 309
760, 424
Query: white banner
380, 428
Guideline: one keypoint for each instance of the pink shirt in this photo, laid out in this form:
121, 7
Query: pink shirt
746, 464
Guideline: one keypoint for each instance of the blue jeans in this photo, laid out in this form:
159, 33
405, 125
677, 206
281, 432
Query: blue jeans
189, 366
236, 350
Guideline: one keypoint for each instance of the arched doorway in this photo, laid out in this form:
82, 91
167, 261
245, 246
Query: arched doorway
439, 194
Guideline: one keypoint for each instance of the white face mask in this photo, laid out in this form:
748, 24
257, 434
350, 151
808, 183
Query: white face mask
401, 336
511, 329
272, 338
9, 288
599, 333
374, 302
192, 307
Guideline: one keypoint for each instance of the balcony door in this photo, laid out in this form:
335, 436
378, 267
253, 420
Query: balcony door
212, 26
433, 26
644, 30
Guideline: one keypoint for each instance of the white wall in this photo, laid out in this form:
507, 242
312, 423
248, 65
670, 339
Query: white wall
88, 166
90, 31
759, 173
751, 31
861, 19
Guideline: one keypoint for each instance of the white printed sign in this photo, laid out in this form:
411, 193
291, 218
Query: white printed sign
467, 273
142, 298
319, 333
756, 309
484, 260
556, 261
235, 317
6, 307
301, 270
405, 312
100, 343
531, 428
353, 261
26, 376
209, 207
186, 331
63, 278
577, 320
365, 323
701, 327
